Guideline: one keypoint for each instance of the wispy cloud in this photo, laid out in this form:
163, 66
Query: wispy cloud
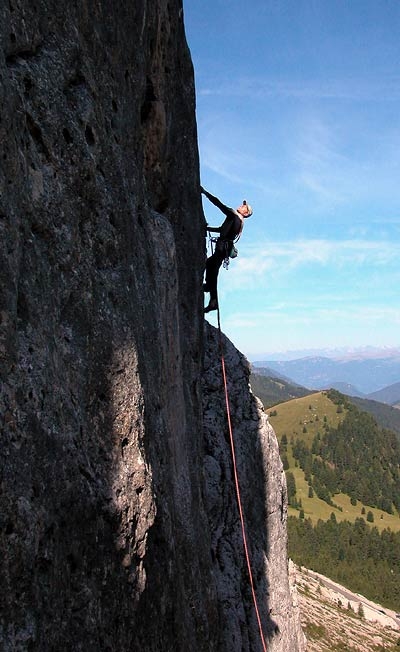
315, 327
353, 89
319, 162
306, 271
228, 151
318, 252
314, 314
232, 165
320, 151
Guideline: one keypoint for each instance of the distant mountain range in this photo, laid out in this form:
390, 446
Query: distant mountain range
365, 377
338, 353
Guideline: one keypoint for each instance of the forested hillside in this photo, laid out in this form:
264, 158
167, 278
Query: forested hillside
352, 455
386, 415
361, 558
357, 458
343, 479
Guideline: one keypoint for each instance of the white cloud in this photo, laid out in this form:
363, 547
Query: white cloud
256, 88
292, 318
330, 152
316, 271
317, 252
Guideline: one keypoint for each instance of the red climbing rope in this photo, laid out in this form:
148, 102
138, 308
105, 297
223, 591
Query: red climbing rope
237, 487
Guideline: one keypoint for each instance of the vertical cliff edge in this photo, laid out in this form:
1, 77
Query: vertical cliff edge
118, 520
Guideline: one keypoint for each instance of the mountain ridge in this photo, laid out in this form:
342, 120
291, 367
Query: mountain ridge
365, 375
389, 394
338, 353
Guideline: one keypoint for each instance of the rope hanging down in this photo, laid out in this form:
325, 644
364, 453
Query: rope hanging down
237, 487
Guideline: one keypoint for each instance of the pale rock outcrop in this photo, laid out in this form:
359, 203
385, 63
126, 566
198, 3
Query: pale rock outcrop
264, 501
105, 541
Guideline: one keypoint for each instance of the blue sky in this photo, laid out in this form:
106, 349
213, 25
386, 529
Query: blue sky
298, 111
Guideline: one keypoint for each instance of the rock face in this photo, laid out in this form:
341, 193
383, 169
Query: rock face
262, 486
106, 540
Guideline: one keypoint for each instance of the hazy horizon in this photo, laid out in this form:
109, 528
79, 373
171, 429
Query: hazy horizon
366, 352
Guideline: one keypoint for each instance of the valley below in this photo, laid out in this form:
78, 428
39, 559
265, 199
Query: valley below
334, 619
342, 469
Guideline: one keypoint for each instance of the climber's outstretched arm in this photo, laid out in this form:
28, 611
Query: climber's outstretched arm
214, 200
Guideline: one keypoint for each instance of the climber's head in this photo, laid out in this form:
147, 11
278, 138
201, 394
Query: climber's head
245, 209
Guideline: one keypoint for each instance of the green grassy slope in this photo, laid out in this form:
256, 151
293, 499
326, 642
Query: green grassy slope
326, 443
302, 418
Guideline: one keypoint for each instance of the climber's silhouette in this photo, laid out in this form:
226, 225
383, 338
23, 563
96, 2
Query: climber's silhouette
229, 232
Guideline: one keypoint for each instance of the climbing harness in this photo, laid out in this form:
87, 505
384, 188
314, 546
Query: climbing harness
237, 486
229, 253
232, 253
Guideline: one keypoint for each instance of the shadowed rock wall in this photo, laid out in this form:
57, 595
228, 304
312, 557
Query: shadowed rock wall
264, 502
100, 321
104, 540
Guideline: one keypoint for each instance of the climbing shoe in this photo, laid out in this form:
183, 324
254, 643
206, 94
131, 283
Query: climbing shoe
213, 305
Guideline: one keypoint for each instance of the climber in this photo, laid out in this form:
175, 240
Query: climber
229, 232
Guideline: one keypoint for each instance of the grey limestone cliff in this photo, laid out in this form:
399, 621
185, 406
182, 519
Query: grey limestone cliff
262, 487
108, 539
